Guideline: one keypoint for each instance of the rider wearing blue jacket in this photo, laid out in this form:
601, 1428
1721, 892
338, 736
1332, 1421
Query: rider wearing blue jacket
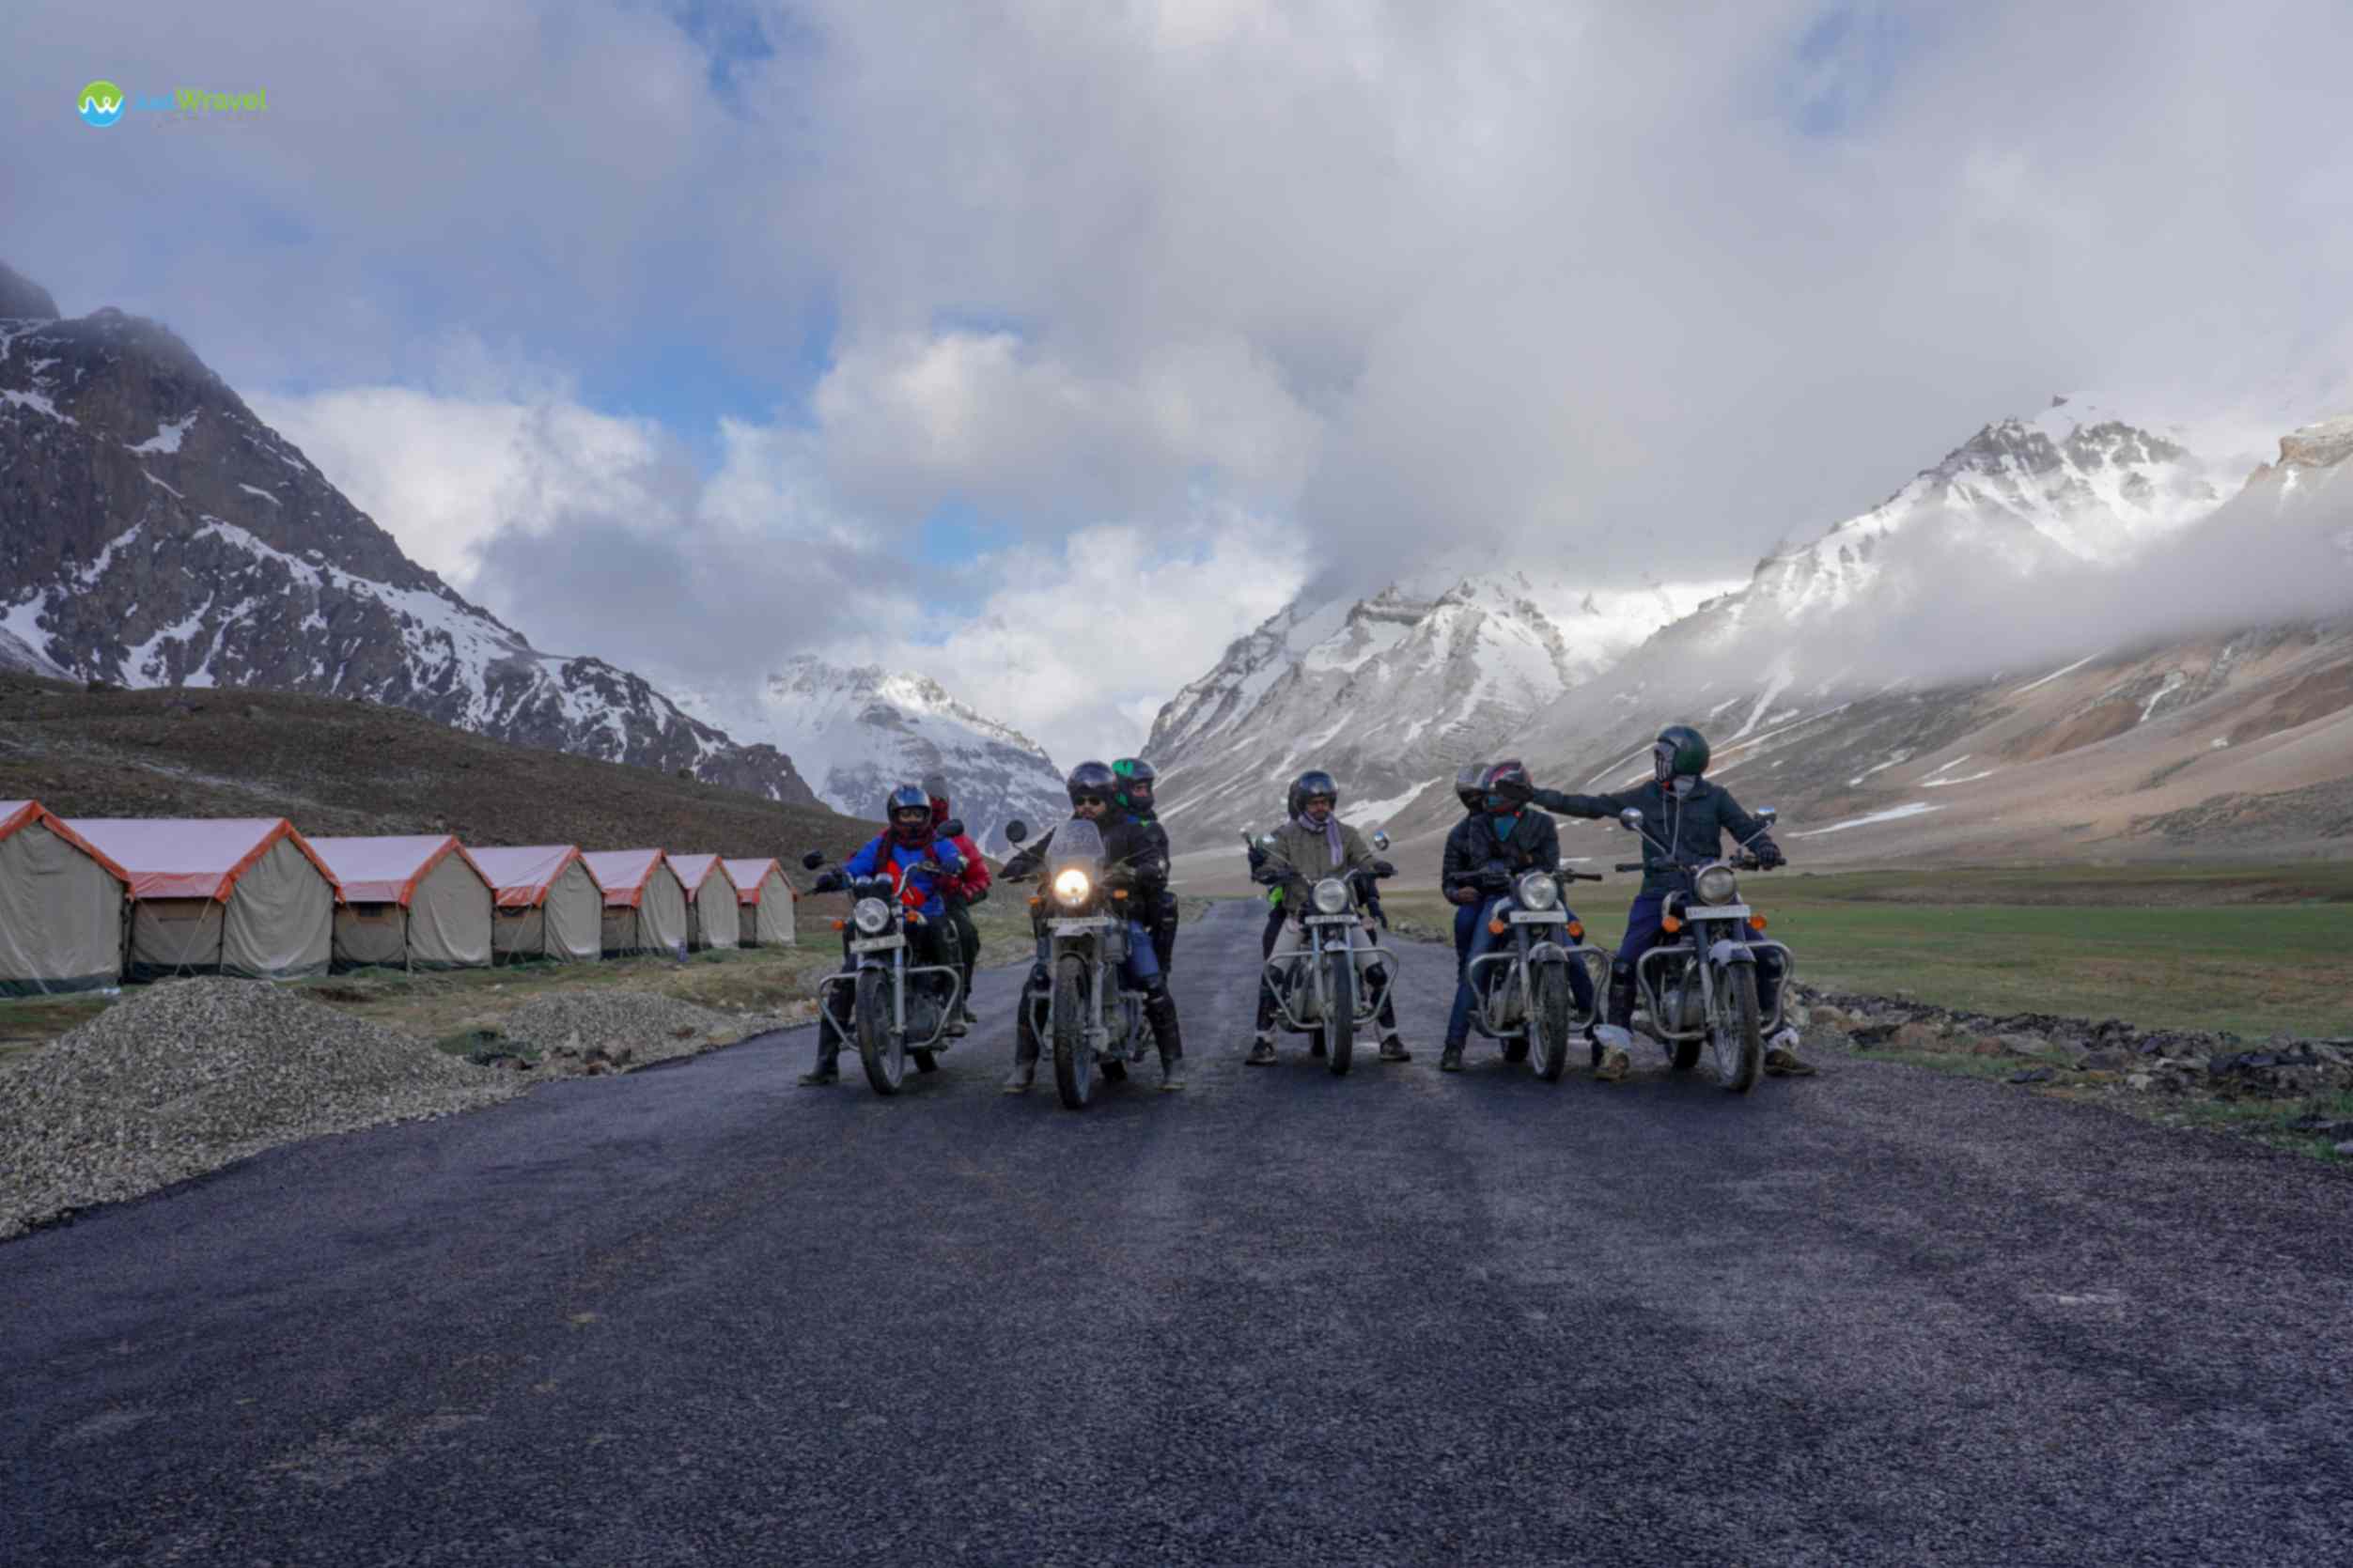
917, 860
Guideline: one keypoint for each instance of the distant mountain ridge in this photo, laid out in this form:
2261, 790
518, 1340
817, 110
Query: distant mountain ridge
153, 532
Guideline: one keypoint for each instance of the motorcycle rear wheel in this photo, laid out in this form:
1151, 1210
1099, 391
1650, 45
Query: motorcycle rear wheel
1549, 1023
882, 1053
1741, 1048
1339, 1025
1074, 1056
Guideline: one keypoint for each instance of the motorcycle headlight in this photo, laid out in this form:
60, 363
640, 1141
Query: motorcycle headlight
1717, 885
1538, 891
870, 915
1332, 897
1072, 886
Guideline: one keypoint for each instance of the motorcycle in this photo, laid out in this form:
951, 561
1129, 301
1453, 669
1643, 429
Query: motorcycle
1524, 999
898, 1010
1700, 989
1094, 1026
1322, 989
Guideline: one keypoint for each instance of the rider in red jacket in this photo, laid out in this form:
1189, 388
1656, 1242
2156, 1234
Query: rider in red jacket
968, 886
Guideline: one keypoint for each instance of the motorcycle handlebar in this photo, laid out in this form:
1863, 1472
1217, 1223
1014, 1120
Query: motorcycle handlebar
1584, 876
1630, 865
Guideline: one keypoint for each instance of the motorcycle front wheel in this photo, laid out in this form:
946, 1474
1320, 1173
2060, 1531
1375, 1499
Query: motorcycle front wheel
1074, 1057
1339, 1024
1549, 1023
883, 1053
1740, 1039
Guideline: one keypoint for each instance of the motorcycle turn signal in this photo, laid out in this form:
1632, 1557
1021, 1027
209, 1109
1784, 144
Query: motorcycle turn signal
1671, 925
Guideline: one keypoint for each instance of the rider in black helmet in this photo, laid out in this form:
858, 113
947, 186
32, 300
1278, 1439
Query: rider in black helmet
1139, 859
1691, 816
1314, 845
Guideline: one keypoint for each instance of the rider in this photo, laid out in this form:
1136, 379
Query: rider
1312, 845
1131, 856
963, 891
918, 862
1471, 789
1486, 856
1135, 800
1691, 816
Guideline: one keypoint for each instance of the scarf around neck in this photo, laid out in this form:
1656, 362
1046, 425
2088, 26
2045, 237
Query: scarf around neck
1330, 831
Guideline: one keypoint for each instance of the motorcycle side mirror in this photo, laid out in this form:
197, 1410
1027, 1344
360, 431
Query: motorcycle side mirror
1015, 830
1769, 815
814, 859
1631, 818
952, 828
1380, 840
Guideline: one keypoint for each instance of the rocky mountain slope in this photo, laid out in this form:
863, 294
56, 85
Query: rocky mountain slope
2188, 690
153, 532
857, 732
1390, 692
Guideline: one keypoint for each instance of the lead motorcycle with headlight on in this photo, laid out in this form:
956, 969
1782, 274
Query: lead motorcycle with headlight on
1521, 992
1324, 990
1091, 1021
1700, 986
899, 1009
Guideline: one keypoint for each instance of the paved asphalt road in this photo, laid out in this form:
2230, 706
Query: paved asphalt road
699, 1314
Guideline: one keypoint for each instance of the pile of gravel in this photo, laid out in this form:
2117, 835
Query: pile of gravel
585, 1031
191, 1075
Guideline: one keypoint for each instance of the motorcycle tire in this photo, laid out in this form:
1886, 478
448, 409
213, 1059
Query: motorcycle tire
1550, 1024
882, 1053
926, 1061
1741, 1048
1074, 1056
1339, 1025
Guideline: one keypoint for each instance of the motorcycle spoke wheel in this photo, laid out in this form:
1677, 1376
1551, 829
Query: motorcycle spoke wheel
883, 1054
1741, 1045
1551, 1024
1074, 1055
1340, 1015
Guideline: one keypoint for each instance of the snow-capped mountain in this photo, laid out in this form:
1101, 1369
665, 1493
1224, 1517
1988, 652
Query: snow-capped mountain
2146, 671
153, 532
859, 732
1390, 692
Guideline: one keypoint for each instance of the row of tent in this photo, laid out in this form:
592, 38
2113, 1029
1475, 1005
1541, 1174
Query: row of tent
85, 902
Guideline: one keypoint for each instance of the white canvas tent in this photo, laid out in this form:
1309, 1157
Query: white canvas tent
767, 900
61, 906
713, 917
549, 905
645, 904
219, 896
416, 902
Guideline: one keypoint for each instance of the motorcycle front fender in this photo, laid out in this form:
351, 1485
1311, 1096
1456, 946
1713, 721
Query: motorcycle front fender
1727, 950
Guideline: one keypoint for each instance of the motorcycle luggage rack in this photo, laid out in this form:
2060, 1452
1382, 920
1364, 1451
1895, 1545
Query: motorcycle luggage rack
1596, 965
1684, 949
1384, 956
843, 1038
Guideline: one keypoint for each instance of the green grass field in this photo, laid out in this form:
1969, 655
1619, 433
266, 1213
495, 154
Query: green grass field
2256, 950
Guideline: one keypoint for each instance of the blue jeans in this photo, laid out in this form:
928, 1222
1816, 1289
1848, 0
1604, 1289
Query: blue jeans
1467, 923
1482, 941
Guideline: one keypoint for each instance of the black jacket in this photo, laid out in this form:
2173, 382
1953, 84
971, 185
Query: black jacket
1144, 848
1534, 844
1693, 825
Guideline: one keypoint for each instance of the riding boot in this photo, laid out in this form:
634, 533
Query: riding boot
1160, 1008
829, 1040
1024, 1050
1621, 998
1392, 1047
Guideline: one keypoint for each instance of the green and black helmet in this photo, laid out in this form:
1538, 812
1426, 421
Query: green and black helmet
1679, 749
1136, 778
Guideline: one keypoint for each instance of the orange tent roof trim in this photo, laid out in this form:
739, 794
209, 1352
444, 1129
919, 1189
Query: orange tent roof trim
694, 870
623, 874
193, 857
16, 815
521, 878
386, 870
750, 876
